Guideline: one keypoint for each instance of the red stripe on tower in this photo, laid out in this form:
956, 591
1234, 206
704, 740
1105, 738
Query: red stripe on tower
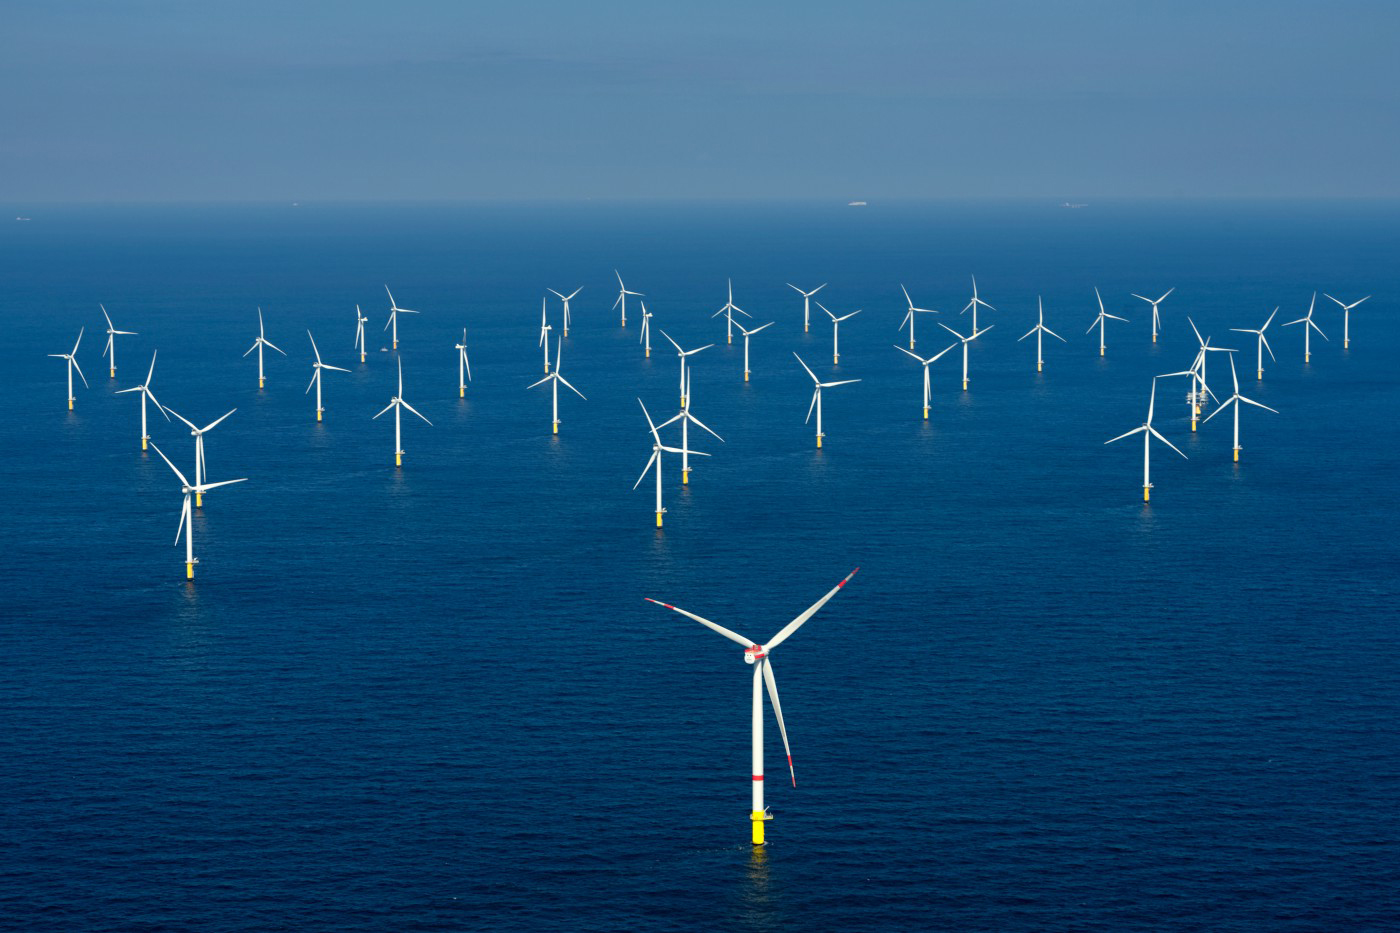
758, 777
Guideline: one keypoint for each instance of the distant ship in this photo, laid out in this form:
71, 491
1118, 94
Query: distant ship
21, 218
1072, 206
856, 204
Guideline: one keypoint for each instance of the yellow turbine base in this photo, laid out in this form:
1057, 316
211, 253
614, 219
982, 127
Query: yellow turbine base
113, 372
819, 440
143, 443
70, 404
835, 360
546, 367
260, 382
1154, 338
648, 352
1346, 344
685, 477
1193, 424
566, 332
398, 458
396, 344
189, 570
1307, 357
925, 412
362, 356
658, 519
731, 338
1039, 365
1261, 374
964, 385
1146, 493
318, 415
911, 343
461, 391
804, 328
199, 500
758, 817
746, 375
1237, 455
556, 427
1100, 351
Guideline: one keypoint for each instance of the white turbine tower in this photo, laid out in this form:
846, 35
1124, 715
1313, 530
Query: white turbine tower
965, 341
973, 304
622, 294
657, 449
199, 461
186, 515
111, 349
747, 334
1102, 319
316, 368
398, 405
806, 304
394, 312
685, 418
544, 331
567, 298
760, 657
360, 321
683, 354
645, 338
1307, 322
1040, 330
1261, 344
1235, 400
728, 311
1148, 432
464, 366
1156, 318
926, 363
145, 390
836, 331
258, 345
817, 397
72, 359
1346, 319
1198, 399
909, 317
556, 378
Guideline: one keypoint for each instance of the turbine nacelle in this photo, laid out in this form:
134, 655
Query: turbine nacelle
754, 654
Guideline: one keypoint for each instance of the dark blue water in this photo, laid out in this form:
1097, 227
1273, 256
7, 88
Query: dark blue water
434, 698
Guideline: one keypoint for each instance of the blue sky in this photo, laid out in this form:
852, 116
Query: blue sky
357, 101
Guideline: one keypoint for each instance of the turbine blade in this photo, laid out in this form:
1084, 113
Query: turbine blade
702, 424
654, 455
183, 481
778, 712
808, 368
414, 410
1129, 434
712, 626
795, 624
221, 418
576, 391
1158, 435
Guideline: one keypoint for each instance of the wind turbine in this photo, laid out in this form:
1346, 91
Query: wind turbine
728, 311
360, 321
186, 515
145, 390
747, 334
316, 375
836, 331
1262, 342
622, 294
1040, 330
258, 345
1307, 322
567, 298
556, 378
1235, 400
646, 329
685, 417
1198, 399
111, 348
972, 305
657, 448
1156, 318
398, 405
806, 304
1148, 432
199, 463
683, 354
72, 359
1102, 319
965, 341
926, 363
544, 332
394, 312
759, 656
1346, 319
817, 398
464, 366
909, 318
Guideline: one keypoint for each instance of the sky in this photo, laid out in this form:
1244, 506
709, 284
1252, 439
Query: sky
354, 101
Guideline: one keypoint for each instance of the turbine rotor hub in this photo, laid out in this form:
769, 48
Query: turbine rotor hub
754, 653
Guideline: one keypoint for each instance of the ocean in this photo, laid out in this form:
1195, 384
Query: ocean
435, 698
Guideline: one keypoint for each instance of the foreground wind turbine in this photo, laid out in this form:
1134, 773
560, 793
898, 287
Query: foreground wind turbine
398, 404
1148, 432
683, 354
759, 656
972, 305
258, 345
111, 348
926, 363
817, 397
145, 390
1261, 344
556, 378
657, 449
1346, 319
464, 366
728, 311
645, 338
836, 331
1102, 319
199, 461
685, 418
747, 334
1040, 330
965, 341
567, 298
316, 368
1307, 322
909, 318
622, 294
360, 321
186, 516
544, 332
1235, 400
394, 312
806, 304
72, 359
1156, 319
